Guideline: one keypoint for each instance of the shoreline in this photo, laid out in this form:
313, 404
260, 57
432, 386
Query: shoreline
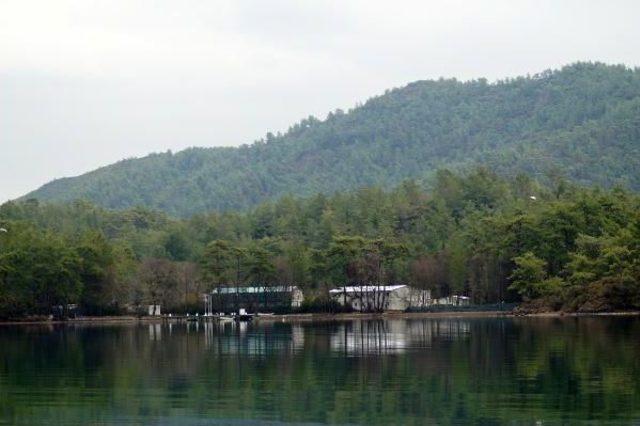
324, 317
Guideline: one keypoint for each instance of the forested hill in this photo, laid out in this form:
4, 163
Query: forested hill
582, 121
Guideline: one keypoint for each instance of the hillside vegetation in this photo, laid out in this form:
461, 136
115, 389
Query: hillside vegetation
553, 247
582, 122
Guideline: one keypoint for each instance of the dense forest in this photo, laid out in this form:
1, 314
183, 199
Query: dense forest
553, 246
582, 121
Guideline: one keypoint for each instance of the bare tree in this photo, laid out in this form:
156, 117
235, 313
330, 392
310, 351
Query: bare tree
159, 281
189, 285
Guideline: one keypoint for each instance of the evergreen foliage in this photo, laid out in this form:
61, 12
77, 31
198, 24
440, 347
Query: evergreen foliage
557, 246
582, 122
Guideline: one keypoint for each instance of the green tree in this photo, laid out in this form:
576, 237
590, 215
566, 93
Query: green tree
529, 276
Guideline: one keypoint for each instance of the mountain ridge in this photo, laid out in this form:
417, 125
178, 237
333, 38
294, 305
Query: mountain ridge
582, 121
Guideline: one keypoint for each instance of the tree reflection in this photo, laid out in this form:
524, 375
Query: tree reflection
365, 372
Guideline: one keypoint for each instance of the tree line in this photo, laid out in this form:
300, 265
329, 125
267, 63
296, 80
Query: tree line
552, 246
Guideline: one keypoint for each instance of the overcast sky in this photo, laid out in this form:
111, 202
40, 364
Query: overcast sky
86, 83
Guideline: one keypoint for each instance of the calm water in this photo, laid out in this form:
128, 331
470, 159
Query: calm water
462, 371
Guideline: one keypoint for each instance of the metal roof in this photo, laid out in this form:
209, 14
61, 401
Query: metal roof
253, 289
366, 288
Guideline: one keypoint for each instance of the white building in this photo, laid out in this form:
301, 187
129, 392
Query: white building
380, 297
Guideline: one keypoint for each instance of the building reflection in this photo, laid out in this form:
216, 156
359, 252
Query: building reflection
155, 331
241, 338
353, 338
395, 336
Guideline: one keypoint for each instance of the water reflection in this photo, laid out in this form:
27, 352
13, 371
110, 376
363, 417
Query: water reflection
387, 337
356, 338
496, 371
242, 338
155, 331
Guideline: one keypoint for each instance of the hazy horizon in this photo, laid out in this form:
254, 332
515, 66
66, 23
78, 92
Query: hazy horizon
86, 84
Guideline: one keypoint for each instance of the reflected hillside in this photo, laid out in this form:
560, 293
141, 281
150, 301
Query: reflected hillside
460, 371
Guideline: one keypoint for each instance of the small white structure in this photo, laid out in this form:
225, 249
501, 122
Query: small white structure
453, 300
154, 310
381, 297
297, 297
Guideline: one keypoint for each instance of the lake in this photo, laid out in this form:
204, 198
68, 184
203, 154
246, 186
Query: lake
416, 371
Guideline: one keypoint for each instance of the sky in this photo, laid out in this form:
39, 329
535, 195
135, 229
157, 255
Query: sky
86, 83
